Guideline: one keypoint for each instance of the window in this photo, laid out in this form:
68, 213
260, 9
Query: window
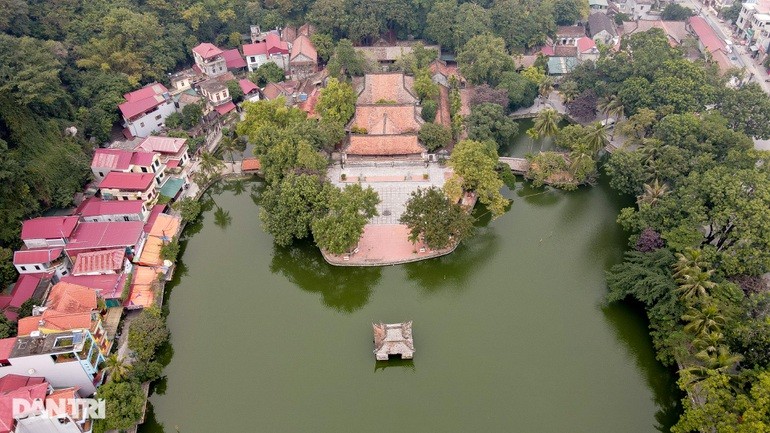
144, 169
101, 174
125, 218
158, 117
64, 272
23, 268
37, 267
253, 59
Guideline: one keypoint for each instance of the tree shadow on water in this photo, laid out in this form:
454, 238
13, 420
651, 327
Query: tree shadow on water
454, 269
631, 327
541, 197
345, 289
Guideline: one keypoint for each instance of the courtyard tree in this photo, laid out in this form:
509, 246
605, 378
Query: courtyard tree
434, 219
346, 61
339, 230
147, 333
337, 102
546, 124
484, 59
268, 73
474, 165
489, 122
189, 209
521, 91
124, 405
434, 135
118, 368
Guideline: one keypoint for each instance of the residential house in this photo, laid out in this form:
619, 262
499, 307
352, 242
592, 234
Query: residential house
28, 286
46, 232
284, 89
60, 413
209, 60
101, 262
185, 80
754, 25
586, 49
66, 359
676, 31
51, 261
568, 35
119, 160
386, 122
146, 110
94, 209
173, 152
127, 235
69, 307
129, 186
108, 286
303, 60
602, 29
234, 60
249, 89
272, 49
709, 42
599, 6
215, 92
442, 72
290, 33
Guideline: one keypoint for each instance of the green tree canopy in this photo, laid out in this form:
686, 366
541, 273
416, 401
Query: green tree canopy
337, 102
349, 210
489, 122
434, 135
124, 405
434, 219
484, 59
474, 165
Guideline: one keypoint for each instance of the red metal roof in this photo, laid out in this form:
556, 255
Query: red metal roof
143, 159
585, 43
96, 207
110, 286
255, 49
271, 45
23, 289
706, 34
234, 59
49, 227
142, 100
225, 108
154, 212
99, 262
127, 181
29, 392
6, 347
172, 163
303, 46
207, 50
113, 159
13, 382
103, 235
247, 86
33, 257
161, 144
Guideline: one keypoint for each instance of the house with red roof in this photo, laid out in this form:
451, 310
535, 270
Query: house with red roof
234, 60
66, 359
249, 89
61, 411
303, 59
44, 232
174, 152
94, 209
28, 286
109, 286
145, 110
129, 186
50, 261
209, 59
272, 49
709, 42
68, 307
127, 235
106, 161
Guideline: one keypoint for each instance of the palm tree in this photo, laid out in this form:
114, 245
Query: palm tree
608, 104
722, 360
653, 192
708, 343
690, 261
228, 145
569, 91
618, 111
210, 165
545, 87
703, 321
546, 123
596, 137
117, 367
696, 285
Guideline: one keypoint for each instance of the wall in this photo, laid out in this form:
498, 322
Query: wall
150, 122
61, 375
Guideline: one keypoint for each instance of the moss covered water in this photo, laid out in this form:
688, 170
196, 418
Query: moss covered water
510, 331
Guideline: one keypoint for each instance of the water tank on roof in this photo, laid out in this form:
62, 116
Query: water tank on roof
302, 97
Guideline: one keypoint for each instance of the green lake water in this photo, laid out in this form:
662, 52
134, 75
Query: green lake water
510, 331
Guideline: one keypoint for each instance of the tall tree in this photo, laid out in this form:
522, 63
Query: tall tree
337, 102
339, 230
484, 59
435, 220
474, 165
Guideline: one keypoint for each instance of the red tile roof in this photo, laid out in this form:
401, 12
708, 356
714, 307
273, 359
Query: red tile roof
103, 235
13, 382
585, 43
6, 347
271, 45
234, 59
161, 144
51, 320
395, 87
49, 227
254, 49
94, 206
127, 181
247, 86
109, 286
547, 50
225, 108
142, 159
68, 298
113, 159
99, 262
372, 145
33, 257
207, 50
274, 91
387, 119
251, 164
303, 47
143, 100
570, 31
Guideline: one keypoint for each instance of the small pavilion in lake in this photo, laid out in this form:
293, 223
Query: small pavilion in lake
393, 339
